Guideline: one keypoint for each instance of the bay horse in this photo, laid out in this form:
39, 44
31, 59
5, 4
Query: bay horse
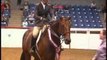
49, 45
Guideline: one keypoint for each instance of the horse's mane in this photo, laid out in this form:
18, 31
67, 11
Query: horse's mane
52, 25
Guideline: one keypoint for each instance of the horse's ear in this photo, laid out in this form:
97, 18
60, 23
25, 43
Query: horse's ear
61, 17
68, 17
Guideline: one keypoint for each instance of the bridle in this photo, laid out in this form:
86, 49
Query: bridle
62, 34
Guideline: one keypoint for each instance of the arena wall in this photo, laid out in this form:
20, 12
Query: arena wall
12, 37
80, 38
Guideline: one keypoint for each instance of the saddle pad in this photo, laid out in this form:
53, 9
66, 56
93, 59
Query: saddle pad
36, 31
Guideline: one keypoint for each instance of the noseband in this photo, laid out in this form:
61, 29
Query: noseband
61, 37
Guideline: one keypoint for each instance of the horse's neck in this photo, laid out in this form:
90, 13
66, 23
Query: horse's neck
55, 37
55, 28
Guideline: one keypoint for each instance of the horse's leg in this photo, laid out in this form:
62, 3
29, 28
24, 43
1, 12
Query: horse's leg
25, 56
22, 56
36, 56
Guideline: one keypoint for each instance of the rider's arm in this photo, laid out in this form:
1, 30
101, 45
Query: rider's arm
51, 12
38, 17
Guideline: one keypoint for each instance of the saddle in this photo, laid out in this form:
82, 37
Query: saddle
36, 30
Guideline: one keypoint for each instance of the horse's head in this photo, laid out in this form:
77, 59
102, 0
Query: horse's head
64, 28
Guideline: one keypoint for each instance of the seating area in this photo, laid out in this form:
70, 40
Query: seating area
5, 13
28, 19
83, 17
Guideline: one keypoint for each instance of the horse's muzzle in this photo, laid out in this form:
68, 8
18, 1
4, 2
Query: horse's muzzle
67, 41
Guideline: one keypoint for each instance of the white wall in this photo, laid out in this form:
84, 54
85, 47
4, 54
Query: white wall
13, 38
84, 40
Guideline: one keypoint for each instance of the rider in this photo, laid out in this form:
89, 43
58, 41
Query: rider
43, 15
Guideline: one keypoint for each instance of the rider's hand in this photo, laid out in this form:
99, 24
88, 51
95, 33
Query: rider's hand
42, 18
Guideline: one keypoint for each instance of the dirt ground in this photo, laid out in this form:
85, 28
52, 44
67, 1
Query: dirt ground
67, 54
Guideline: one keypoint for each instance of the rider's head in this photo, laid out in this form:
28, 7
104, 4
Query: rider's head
26, 2
45, 1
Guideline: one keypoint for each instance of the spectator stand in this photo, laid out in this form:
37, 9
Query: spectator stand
82, 16
28, 16
5, 13
87, 17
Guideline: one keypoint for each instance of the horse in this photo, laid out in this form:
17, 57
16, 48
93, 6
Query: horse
49, 45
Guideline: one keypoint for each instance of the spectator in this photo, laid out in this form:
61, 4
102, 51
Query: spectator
5, 8
26, 5
8, 1
101, 52
93, 4
104, 9
7, 5
19, 3
24, 23
2, 7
